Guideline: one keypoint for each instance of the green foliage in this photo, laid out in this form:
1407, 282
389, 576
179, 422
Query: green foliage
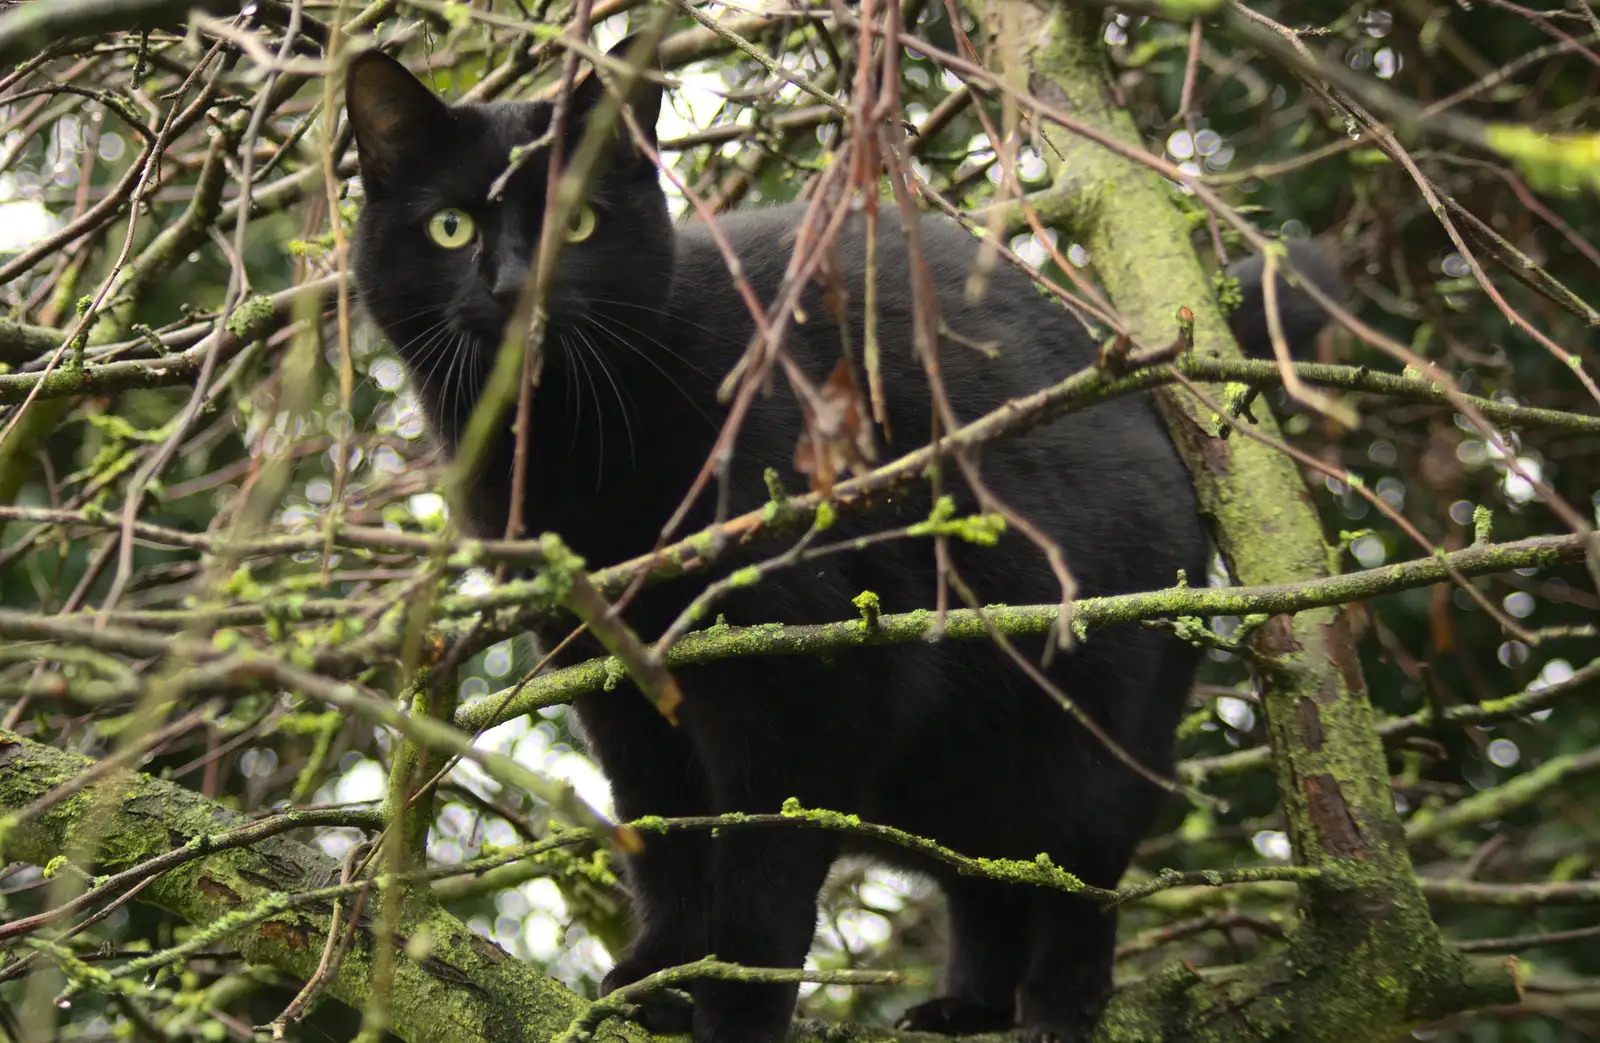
244, 596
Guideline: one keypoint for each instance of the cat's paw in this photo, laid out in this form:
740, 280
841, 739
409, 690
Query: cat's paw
663, 1012
954, 1016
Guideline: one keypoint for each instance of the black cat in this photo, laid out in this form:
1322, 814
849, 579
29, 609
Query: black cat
950, 740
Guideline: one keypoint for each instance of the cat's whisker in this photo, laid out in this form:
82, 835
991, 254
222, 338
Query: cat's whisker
577, 392
465, 396
657, 312
402, 350
616, 329
616, 337
605, 369
448, 386
438, 351
599, 417
412, 313
567, 400
653, 340
424, 355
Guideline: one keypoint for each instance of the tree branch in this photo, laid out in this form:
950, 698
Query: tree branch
1328, 760
451, 986
723, 642
29, 28
455, 988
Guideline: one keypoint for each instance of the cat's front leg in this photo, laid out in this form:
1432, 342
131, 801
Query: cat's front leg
988, 929
1069, 976
764, 736
764, 914
653, 771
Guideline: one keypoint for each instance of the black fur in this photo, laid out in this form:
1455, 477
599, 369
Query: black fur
949, 740
1301, 316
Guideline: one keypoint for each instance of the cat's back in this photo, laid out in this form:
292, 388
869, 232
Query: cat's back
1105, 482
763, 239
1008, 340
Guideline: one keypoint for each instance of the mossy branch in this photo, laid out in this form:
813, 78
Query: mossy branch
254, 319
1499, 801
455, 988
222, 669
27, 29
1327, 757
270, 897
723, 642
21, 342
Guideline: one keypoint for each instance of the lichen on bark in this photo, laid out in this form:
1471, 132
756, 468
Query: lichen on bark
1365, 961
462, 989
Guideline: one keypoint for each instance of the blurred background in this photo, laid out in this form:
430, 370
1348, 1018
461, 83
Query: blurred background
302, 420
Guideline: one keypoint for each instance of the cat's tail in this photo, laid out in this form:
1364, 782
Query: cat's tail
1302, 317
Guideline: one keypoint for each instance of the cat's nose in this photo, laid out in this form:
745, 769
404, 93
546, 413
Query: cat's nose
507, 285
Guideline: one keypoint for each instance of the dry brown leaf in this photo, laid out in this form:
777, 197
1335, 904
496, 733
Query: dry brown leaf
837, 434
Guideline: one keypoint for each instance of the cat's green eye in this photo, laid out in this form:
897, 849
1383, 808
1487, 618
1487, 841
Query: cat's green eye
451, 228
580, 225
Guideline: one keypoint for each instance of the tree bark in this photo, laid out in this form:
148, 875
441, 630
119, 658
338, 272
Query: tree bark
450, 984
1365, 960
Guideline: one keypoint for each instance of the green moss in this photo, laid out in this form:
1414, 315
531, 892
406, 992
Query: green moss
1040, 872
1229, 293
559, 567
248, 314
458, 15
1196, 631
825, 516
982, 529
778, 510
1482, 524
311, 249
792, 808
871, 609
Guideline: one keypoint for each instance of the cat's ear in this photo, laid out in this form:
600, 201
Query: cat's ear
644, 97
394, 116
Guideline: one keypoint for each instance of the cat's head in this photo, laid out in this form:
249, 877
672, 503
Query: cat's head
438, 264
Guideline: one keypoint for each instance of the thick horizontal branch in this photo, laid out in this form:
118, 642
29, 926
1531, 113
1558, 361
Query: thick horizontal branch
251, 320
110, 887
215, 670
1404, 388
723, 642
29, 28
458, 989
1467, 892
20, 342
